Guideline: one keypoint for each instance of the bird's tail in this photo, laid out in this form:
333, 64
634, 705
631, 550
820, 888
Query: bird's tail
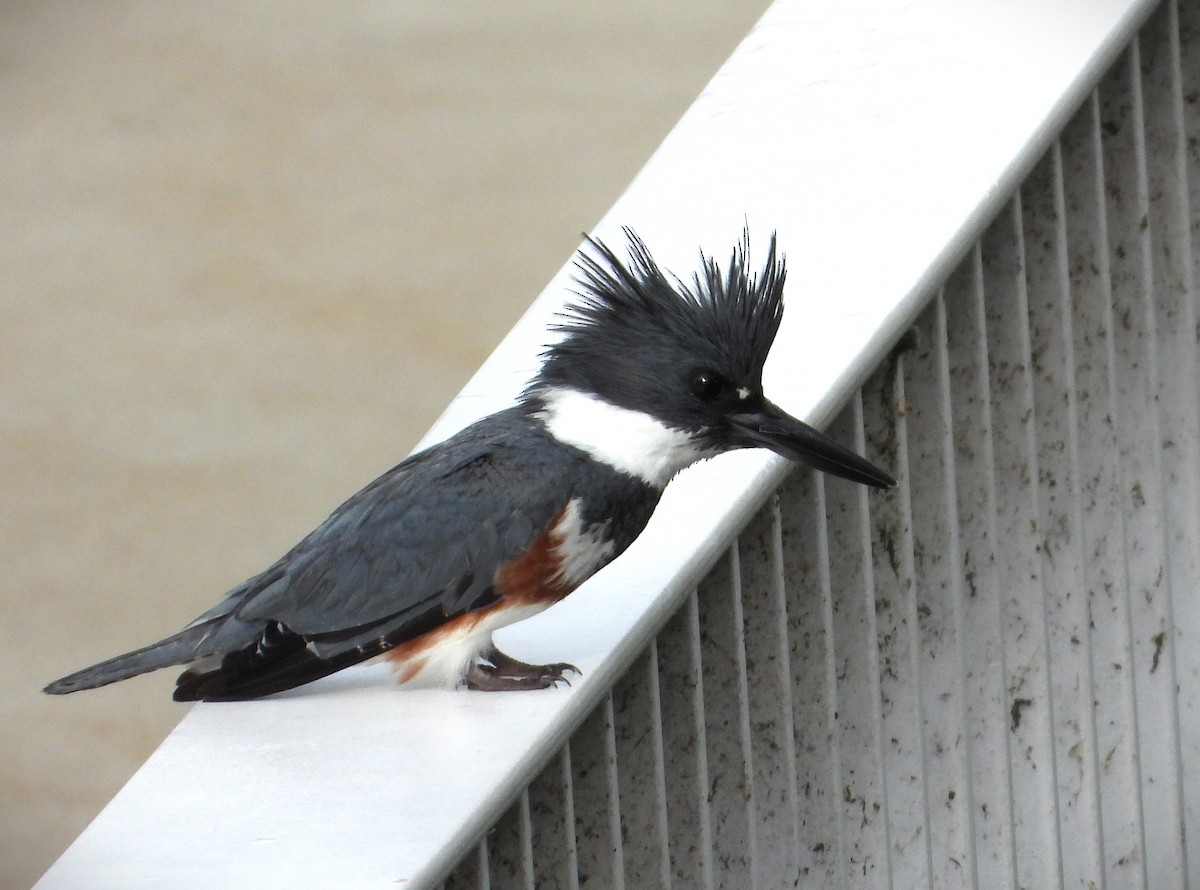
181, 648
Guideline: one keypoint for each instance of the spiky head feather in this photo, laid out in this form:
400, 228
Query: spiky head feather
633, 324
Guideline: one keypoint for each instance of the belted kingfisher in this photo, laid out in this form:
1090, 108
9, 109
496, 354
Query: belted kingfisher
650, 374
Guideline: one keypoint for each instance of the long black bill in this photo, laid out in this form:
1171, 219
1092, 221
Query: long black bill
770, 427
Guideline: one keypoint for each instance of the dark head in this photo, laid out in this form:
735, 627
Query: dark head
672, 371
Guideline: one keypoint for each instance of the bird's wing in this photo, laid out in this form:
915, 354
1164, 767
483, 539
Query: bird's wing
423, 542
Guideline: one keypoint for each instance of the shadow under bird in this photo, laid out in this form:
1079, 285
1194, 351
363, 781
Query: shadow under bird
650, 374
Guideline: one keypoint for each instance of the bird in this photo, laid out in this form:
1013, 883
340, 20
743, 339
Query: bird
646, 373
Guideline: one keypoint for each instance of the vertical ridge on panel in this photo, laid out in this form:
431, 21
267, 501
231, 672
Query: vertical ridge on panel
1102, 493
612, 778
637, 750
814, 694
730, 775
897, 630
550, 842
935, 607
700, 715
1165, 113
988, 705
743, 702
1059, 532
787, 732
951, 582
484, 879
685, 749
1187, 241
768, 703
510, 853
597, 847
1017, 554
1153, 628
1138, 438
856, 662
526, 835
663, 837
1086, 323
568, 869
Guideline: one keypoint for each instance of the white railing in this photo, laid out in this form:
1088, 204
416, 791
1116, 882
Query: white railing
990, 677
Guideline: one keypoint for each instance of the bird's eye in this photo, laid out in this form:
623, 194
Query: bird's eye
708, 385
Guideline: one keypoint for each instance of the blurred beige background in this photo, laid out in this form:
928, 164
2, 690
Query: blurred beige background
249, 253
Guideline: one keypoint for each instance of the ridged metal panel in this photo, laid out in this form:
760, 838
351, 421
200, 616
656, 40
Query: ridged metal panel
989, 677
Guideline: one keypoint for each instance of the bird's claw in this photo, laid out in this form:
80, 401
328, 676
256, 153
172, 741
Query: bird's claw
497, 672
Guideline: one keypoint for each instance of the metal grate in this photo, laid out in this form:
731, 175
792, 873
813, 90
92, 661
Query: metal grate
991, 676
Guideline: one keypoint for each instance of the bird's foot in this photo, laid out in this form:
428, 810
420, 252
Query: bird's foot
497, 672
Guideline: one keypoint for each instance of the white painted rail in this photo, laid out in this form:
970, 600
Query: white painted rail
988, 678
